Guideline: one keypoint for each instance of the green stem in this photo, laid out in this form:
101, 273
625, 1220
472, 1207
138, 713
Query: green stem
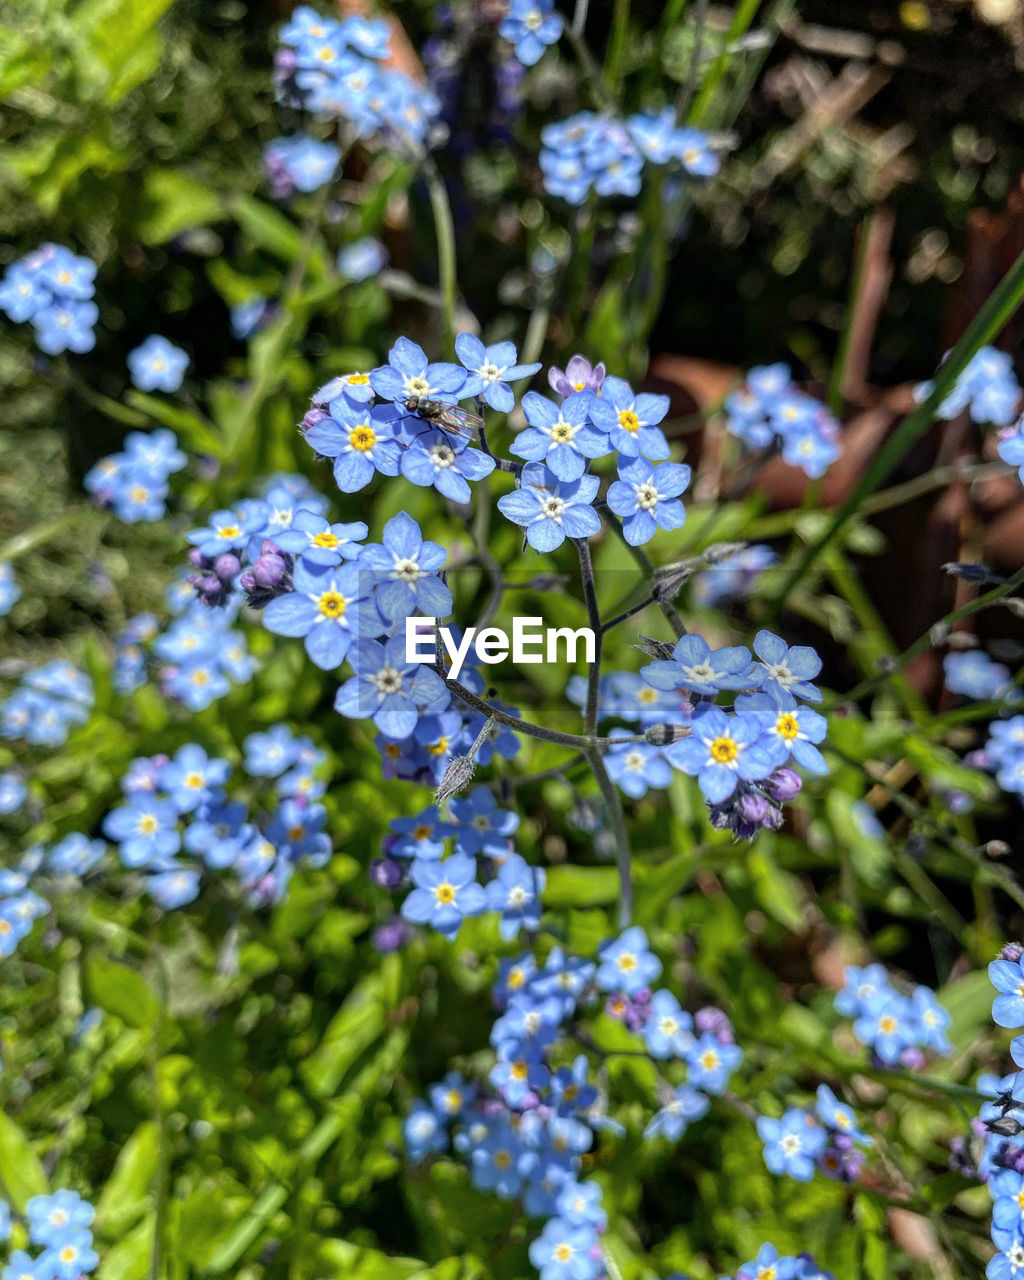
444, 229
22, 543
617, 818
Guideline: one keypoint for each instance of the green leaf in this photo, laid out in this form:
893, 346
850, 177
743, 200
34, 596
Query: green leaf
22, 1173
127, 1191
581, 887
777, 891
120, 990
129, 1259
359, 1023
172, 202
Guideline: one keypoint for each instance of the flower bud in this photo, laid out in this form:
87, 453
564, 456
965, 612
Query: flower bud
391, 936
456, 778
1013, 951
966, 571
783, 785
227, 566
752, 807
385, 873
657, 649
663, 735
311, 418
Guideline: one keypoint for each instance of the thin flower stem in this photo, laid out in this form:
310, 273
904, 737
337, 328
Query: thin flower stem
640, 556
594, 616
628, 613
623, 854
444, 229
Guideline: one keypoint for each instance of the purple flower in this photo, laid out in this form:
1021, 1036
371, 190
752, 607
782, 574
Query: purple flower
578, 375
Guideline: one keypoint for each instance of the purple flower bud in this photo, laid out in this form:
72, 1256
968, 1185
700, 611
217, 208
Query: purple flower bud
752, 807
1012, 952
269, 570
311, 418
385, 873
712, 1021
391, 936
196, 558
912, 1058
783, 785
978, 759
227, 566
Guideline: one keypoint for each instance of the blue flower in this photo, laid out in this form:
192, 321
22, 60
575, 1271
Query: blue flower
551, 510
66, 326
226, 530
647, 498
154, 451
52, 1217
331, 608
975, 675
931, 1019
174, 888
668, 1031
861, 989
447, 462
451, 1096
157, 365
695, 666
491, 369
626, 964
887, 1025
12, 791
637, 766
409, 373
838, 1116
420, 837
580, 1202
445, 893
569, 1089
1011, 449
720, 751
560, 435
299, 163
630, 420
22, 293
268, 754
318, 541
531, 25
564, 1251
792, 1144
1007, 977
769, 1266
361, 441
789, 729
218, 833
519, 1071
191, 778
362, 258
423, 1131
672, 1120
712, 1062
389, 689
482, 826
145, 829
515, 892
66, 274
406, 569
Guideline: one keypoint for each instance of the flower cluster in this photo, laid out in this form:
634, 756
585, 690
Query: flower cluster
134, 483
178, 818
769, 411
987, 390
1003, 1121
58, 1225
10, 592
53, 288
975, 675
771, 1265
897, 1028
732, 578
524, 1135
531, 25
48, 702
596, 153
827, 1139
20, 907
337, 69
157, 365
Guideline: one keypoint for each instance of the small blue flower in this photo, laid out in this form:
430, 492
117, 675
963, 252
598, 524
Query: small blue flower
515, 892
174, 888
362, 259
720, 751
451, 1096
52, 1217
318, 541
531, 25
157, 365
360, 439
66, 326
491, 369
792, 669
145, 829
647, 498
409, 373
299, 163
446, 462
626, 964
838, 1116
406, 570
668, 1030
630, 420
637, 766
1007, 976
887, 1025
482, 826
792, 1144
268, 754
420, 837
672, 1120
560, 435
331, 608
10, 592
711, 1063
444, 894
389, 689
191, 778
12, 791
551, 510
423, 1131
789, 729
695, 666
769, 1265
564, 1251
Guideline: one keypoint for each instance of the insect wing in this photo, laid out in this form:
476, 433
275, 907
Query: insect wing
459, 421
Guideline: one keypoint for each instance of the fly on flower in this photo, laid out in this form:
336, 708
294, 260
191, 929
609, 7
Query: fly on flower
450, 417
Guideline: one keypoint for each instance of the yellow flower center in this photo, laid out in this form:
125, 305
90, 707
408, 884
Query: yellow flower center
201, 676
326, 539
148, 824
421, 832
724, 750
563, 1252
438, 748
445, 893
453, 1100
229, 531
358, 379
627, 962
363, 439
787, 726
887, 1024
502, 1159
194, 780
628, 421
332, 604
519, 1069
